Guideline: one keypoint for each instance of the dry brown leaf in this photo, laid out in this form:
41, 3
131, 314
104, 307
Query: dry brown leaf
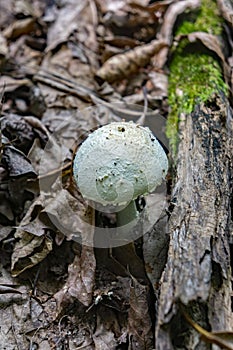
104, 337
15, 310
121, 42
9, 83
226, 8
125, 64
81, 278
69, 19
67, 212
33, 245
18, 131
171, 15
20, 27
26, 9
6, 212
111, 5
69, 215
139, 321
17, 164
53, 85
6, 12
155, 10
131, 17
159, 82
159, 5
5, 289
29, 251
141, 3
4, 230
169, 20
224, 339
3, 46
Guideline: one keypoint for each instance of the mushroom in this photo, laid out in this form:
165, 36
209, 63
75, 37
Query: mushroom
116, 164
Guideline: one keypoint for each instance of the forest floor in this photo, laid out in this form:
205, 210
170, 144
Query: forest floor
58, 84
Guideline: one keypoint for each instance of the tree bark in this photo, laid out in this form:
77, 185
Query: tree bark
198, 272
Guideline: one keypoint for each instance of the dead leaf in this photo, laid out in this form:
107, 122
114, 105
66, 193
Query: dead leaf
130, 17
80, 281
121, 42
110, 5
159, 83
18, 131
166, 32
5, 289
69, 215
32, 223
171, 15
82, 276
104, 338
17, 164
4, 230
25, 8
159, 5
224, 339
124, 65
3, 46
67, 20
6, 212
226, 8
139, 321
20, 27
75, 222
10, 83
58, 83
29, 251
6, 12
33, 242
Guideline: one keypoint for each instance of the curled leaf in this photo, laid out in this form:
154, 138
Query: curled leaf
29, 251
20, 27
224, 339
8, 289
123, 65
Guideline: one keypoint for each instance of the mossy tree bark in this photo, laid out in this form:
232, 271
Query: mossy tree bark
198, 272
197, 278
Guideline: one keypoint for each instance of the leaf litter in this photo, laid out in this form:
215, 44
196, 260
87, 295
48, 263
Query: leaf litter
51, 54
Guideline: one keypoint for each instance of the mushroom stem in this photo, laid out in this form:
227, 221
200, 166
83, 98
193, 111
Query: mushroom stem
127, 215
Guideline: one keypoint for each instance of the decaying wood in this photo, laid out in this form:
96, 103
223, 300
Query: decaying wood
198, 274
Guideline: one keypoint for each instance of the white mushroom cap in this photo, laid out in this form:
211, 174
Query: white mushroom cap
118, 162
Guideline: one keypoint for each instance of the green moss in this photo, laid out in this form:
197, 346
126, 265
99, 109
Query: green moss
206, 20
194, 78
194, 73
